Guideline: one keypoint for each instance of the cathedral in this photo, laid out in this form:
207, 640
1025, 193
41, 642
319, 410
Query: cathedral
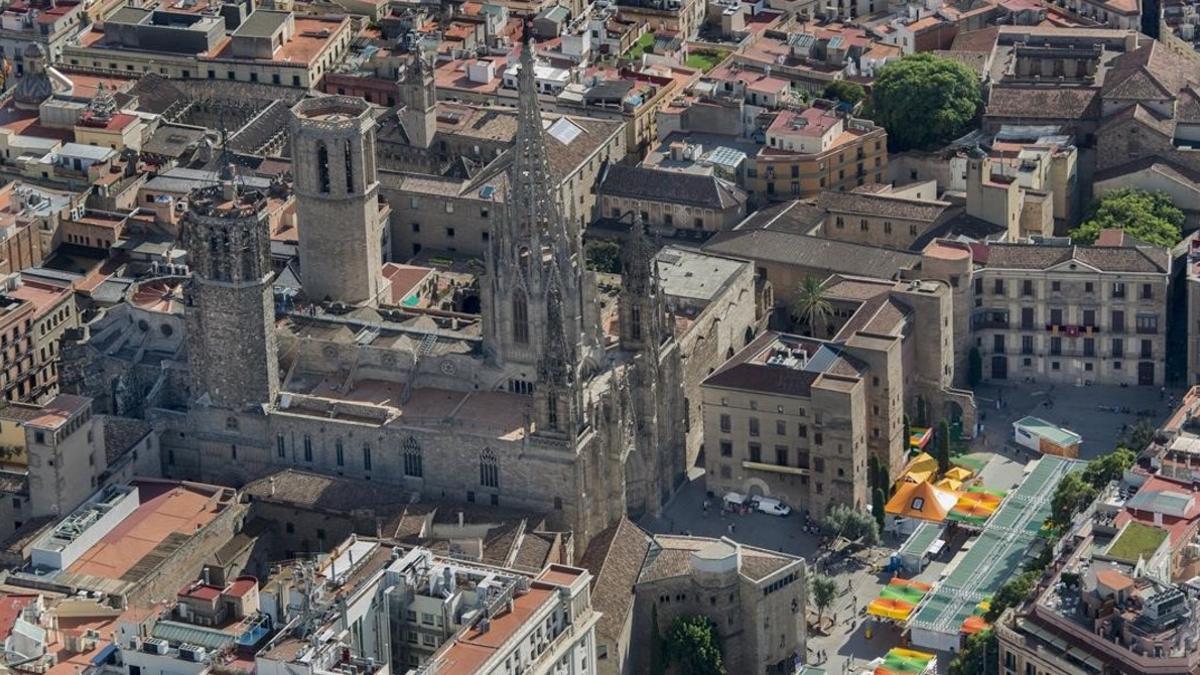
556, 397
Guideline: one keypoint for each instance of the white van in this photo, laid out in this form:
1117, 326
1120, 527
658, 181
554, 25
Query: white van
772, 507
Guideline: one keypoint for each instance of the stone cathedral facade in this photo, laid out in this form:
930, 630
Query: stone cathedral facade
531, 405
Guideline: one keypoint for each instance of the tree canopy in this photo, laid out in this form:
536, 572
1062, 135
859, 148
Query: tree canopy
1105, 469
845, 91
851, 524
1072, 495
924, 100
824, 590
1149, 216
603, 255
811, 304
1013, 593
692, 645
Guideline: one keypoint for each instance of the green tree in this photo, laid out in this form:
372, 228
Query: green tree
1148, 216
1072, 495
885, 481
873, 471
824, 590
812, 307
845, 91
974, 367
877, 504
692, 645
942, 449
1107, 468
1138, 436
851, 524
980, 656
1012, 594
604, 255
924, 101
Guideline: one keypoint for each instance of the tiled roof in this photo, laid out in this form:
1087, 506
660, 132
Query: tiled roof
659, 185
615, 559
1152, 71
1143, 116
1104, 258
1163, 164
1061, 103
794, 217
880, 205
812, 252
121, 434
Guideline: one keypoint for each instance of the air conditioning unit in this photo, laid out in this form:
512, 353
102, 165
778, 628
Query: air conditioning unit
155, 646
192, 653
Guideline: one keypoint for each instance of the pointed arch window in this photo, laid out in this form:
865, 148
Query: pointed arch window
635, 322
349, 169
552, 414
413, 460
489, 469
520, 312
323, 166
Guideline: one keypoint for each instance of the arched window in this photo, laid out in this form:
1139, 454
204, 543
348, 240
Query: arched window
323, 166
413, 465
520, 319
489, 470
635, 321
349, 169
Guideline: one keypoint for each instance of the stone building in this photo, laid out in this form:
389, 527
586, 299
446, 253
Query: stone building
229, 299
1072, 314
798, 418
671, 202
342, 223
881, 217
528, 406
755, 598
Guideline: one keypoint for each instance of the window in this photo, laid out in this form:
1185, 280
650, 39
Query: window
1118, 289
780, 428
1118, 348
998, 343
308, 454
1118, 321
755, 452
1026, 344
1089, 346
340, 452
489, 470
413, 464
1056, 317
449, 232
726, 449
279, 445
233, 452
1147, 323
1055, 346
520, 319
819, 464
366, 456
1056, 287
781, 455
802, 431
1027, 318
998, 287
1027, 287
978, 286
1147, 292
416, 227
1089, 317
753, 421
1147, 349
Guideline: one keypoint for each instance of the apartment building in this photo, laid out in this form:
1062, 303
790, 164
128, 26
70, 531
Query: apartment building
267, 46
1072, 314
413, 612
816, 149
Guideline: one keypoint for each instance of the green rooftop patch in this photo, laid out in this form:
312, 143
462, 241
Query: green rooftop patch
1136, 541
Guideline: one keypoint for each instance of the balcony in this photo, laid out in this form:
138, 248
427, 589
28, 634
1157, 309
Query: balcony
995, 323
1068, 330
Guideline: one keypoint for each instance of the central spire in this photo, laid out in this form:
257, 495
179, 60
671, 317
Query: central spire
533, 187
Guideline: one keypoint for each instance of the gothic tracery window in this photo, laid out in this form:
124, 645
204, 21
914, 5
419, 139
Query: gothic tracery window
413, 460
520, 319
489, 469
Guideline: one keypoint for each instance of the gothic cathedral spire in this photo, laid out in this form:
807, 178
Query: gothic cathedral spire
538, 292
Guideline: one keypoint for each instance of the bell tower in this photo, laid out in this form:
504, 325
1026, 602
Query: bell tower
337, 199
230, 306
418, 101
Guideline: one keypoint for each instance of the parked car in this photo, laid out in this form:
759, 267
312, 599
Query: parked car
735, 501
772, 507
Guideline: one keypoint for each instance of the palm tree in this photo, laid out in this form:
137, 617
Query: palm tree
812, 307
